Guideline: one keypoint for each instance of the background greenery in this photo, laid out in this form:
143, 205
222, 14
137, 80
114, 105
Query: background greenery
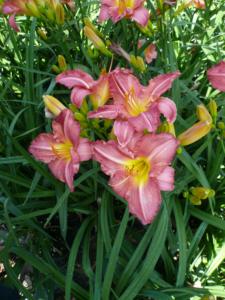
85, 243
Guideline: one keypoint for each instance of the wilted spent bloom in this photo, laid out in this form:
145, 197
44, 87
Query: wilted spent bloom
53, 107
46, 9
199, 129
149, 52
96, 40
130, 9
200, 193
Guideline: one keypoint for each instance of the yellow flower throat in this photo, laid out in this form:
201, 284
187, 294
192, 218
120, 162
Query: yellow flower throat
139, 169
62, 150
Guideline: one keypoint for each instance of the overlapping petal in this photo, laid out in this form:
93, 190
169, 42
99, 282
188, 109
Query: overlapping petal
144, 201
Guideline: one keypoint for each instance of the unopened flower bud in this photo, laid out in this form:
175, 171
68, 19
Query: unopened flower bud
42, 33
56, 69
221, 125
53, 105
213, 108
62, 63
203, 114
32, 9
195, 133
89, 24
96, 40
60, 14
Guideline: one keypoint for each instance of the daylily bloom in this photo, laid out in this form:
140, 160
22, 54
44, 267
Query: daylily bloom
139, 105
63, 149
48, 9
149, 52
199, 129
139, 170
118, 9
82, 84
216, 76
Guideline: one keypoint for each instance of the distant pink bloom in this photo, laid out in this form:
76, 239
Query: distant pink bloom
82, 84
139, 105
131, 9
199, 4
139, 170
63, 149
69, 3
149, 52
216, 76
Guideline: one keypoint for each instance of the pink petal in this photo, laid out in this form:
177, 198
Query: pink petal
144, 201
13, 24
84, 149
159, 148
216, 76
121, 82
64, 171
166, 179
100, 93
141, 16
150, 53
161, 83
77, 95
104, 13
109, 156
106, 111
146, 121
121, 184
115, 14
124, 132
74, 78
71, 128
168, 108
41, 147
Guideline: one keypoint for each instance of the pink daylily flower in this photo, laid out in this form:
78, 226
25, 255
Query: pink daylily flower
216, 76
149, 52
63, 149
139, 170
118, 9
139, 105
82, 84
